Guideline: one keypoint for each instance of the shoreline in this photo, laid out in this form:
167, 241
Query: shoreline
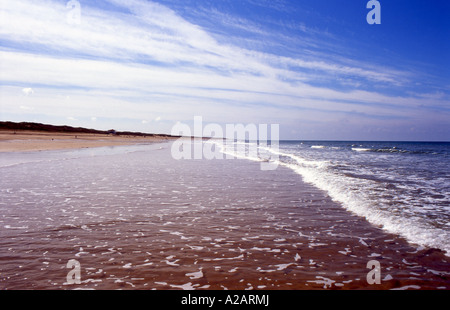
29, 141
193, 224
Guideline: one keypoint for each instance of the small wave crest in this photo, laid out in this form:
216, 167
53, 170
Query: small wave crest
394, 150
360, 149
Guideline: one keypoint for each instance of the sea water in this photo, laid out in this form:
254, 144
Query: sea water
134, 217
403, 187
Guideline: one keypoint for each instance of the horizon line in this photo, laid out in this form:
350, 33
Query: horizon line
193, 136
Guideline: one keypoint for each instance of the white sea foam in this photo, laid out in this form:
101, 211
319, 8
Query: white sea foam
186, 287
360, 149
355, 195
195, 275
361, 204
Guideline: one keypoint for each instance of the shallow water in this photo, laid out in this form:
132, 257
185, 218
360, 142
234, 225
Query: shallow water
134, 218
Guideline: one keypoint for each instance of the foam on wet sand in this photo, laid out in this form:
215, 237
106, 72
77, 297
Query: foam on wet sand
142, 220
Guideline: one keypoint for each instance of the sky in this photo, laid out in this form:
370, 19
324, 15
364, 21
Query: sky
317, 68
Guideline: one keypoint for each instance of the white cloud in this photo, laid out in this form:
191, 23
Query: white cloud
153, 32
153, 62
27, 91
162, 83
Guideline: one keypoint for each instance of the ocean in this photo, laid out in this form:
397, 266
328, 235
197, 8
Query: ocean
403, 187
133, 217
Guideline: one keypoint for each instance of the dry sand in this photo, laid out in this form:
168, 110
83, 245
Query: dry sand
23, 141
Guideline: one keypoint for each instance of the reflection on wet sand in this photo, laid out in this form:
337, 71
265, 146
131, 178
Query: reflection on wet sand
141, 220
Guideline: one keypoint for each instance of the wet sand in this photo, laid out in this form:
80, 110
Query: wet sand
26, 141
145, 221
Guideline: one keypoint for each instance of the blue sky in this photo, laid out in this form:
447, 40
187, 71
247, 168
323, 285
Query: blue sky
316, 68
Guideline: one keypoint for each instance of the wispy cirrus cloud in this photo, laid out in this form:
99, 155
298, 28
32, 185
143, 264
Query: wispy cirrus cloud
142, 58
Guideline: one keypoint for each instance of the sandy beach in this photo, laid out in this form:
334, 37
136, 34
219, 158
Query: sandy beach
25, 141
